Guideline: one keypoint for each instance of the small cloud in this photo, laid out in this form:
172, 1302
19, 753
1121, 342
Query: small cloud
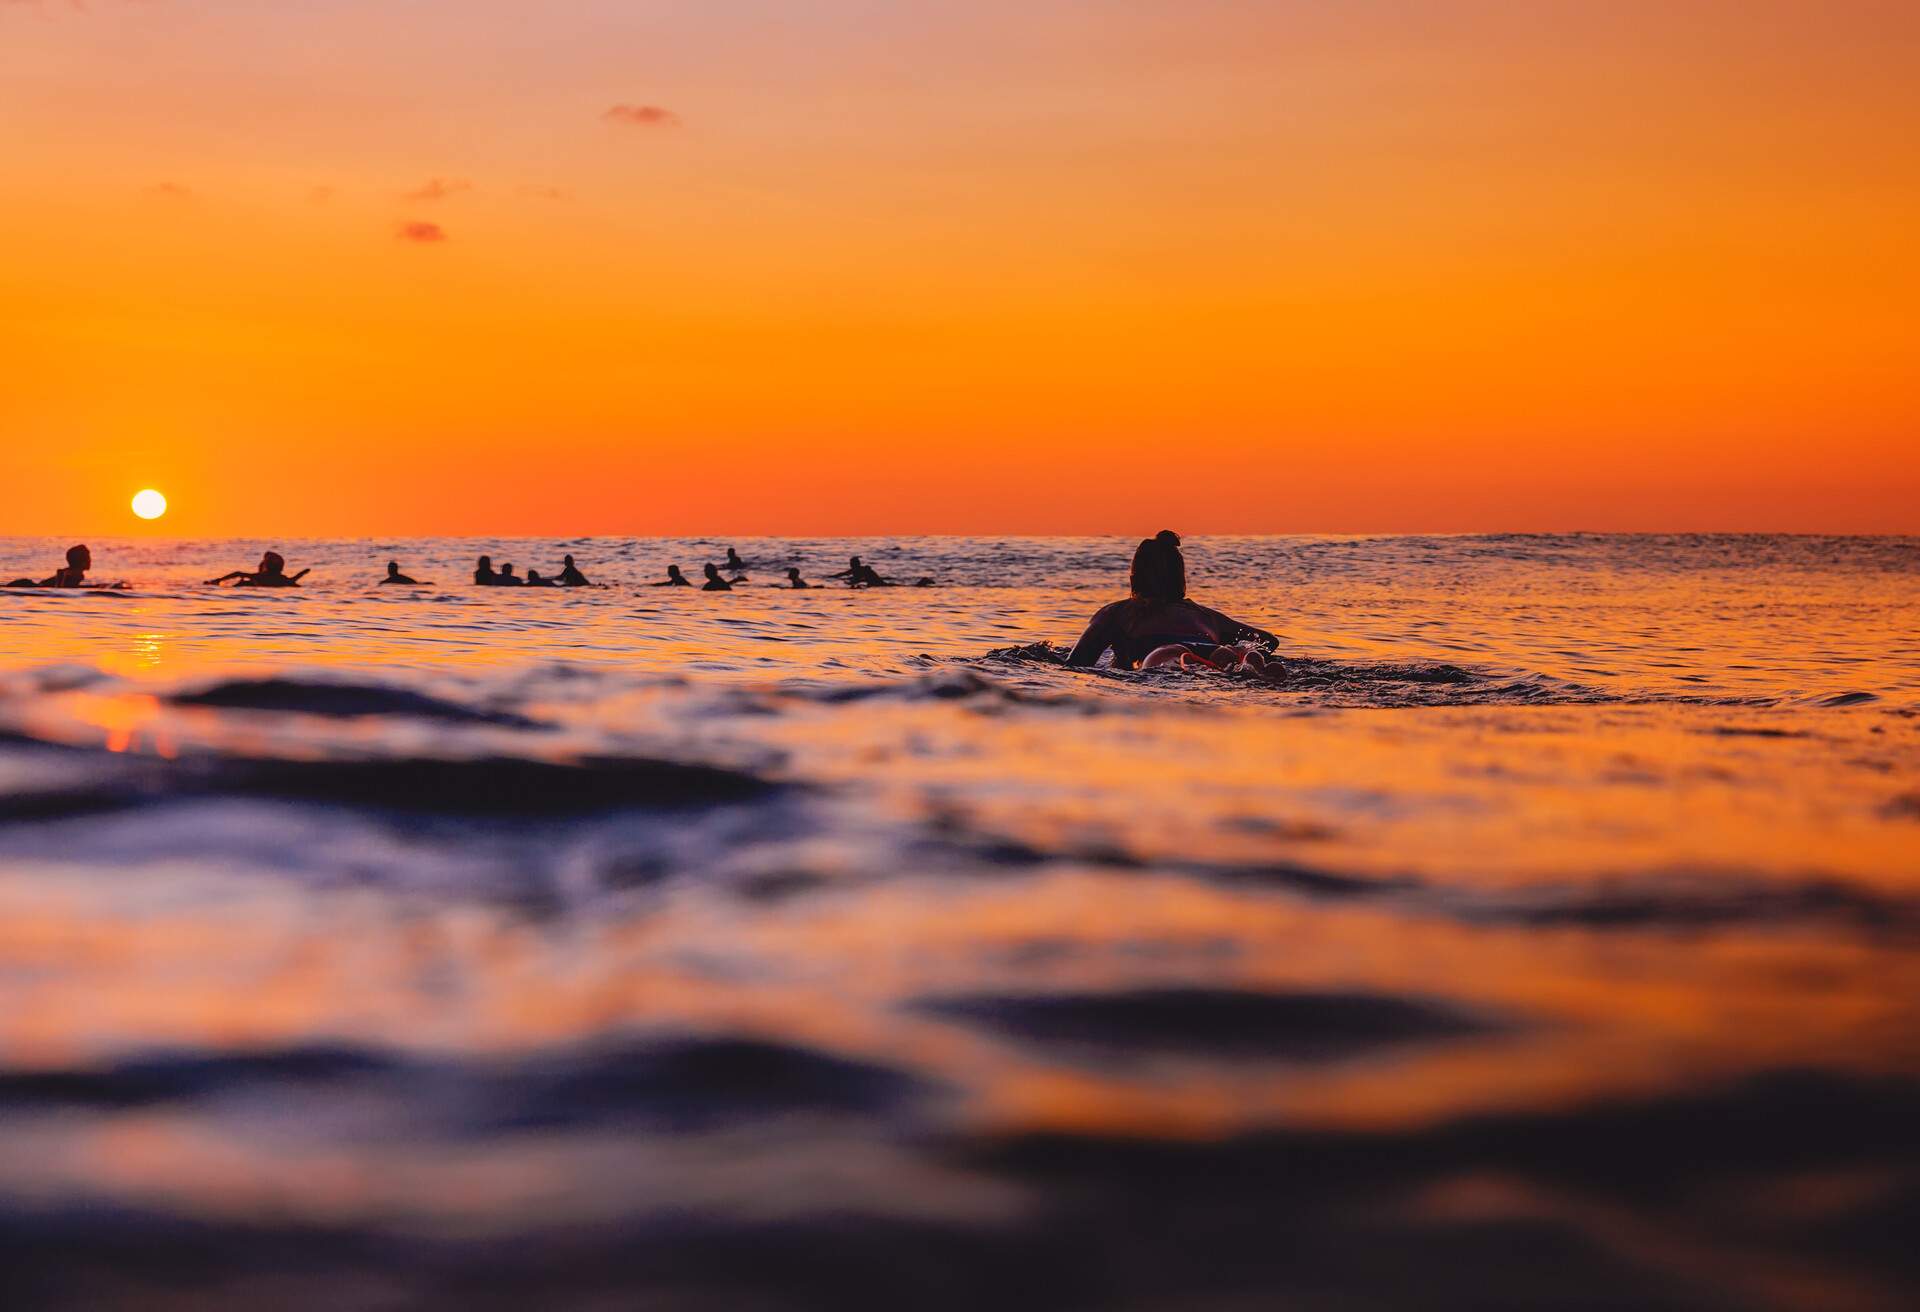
642, 116
541, 193
421, 231
170, 190
437, 189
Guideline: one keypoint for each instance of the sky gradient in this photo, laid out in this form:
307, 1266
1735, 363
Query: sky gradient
858, 266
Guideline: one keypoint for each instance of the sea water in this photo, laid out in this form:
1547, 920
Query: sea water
1548, 939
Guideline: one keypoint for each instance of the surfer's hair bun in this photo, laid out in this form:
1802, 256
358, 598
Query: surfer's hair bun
1159, 570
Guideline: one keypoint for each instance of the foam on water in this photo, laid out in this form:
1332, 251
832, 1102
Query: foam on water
1554, 928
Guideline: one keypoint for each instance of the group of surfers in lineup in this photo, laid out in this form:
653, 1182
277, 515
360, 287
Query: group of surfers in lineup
857, 575
271, 572
1155, 625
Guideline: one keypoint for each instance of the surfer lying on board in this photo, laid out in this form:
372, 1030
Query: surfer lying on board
859, 574
1157, 625
74, 575
272, 573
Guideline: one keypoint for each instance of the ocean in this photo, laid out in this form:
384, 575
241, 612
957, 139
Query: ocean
1550, 938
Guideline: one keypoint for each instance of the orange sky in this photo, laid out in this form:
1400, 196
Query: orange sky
1007, 265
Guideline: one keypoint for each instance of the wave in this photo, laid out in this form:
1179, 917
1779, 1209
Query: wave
1771, 1190
1241, 1023
480, 787
341, 700
675, 1081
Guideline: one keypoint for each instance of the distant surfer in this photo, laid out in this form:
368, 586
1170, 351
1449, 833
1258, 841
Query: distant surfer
506, 578
714, 582
570, 575
395, 576
859, 574
73, 575
1157, 625
483, 573
674, 579
734, 563
536, 580
794, 580
272, 573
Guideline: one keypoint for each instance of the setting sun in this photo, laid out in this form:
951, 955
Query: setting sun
149, 504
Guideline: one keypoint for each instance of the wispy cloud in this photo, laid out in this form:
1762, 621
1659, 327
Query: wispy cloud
641, 116
437, 189
418, 230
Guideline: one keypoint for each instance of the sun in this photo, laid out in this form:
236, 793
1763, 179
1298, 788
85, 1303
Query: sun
149, 504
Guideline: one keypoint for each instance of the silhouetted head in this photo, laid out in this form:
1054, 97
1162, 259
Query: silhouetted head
533, 576
506, 570
273, 563
486, 562
854, 561
1159, 570
794, 572
393, 567
567, 561
732, 556
79, 558
673, 571
713, 571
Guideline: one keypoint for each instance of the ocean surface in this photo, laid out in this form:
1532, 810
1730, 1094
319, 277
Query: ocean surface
1552, 938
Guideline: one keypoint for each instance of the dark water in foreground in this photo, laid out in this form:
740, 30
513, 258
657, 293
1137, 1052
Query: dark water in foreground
1550, 942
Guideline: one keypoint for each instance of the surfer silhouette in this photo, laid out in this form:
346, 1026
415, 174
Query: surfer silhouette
272, 573
1158, 625
859, 574
72, 575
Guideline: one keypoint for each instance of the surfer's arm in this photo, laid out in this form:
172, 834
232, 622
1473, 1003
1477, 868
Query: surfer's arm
1095, 641
236, 574
1230, 630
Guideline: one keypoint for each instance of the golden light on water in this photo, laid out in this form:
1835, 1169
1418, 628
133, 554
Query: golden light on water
149, 504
